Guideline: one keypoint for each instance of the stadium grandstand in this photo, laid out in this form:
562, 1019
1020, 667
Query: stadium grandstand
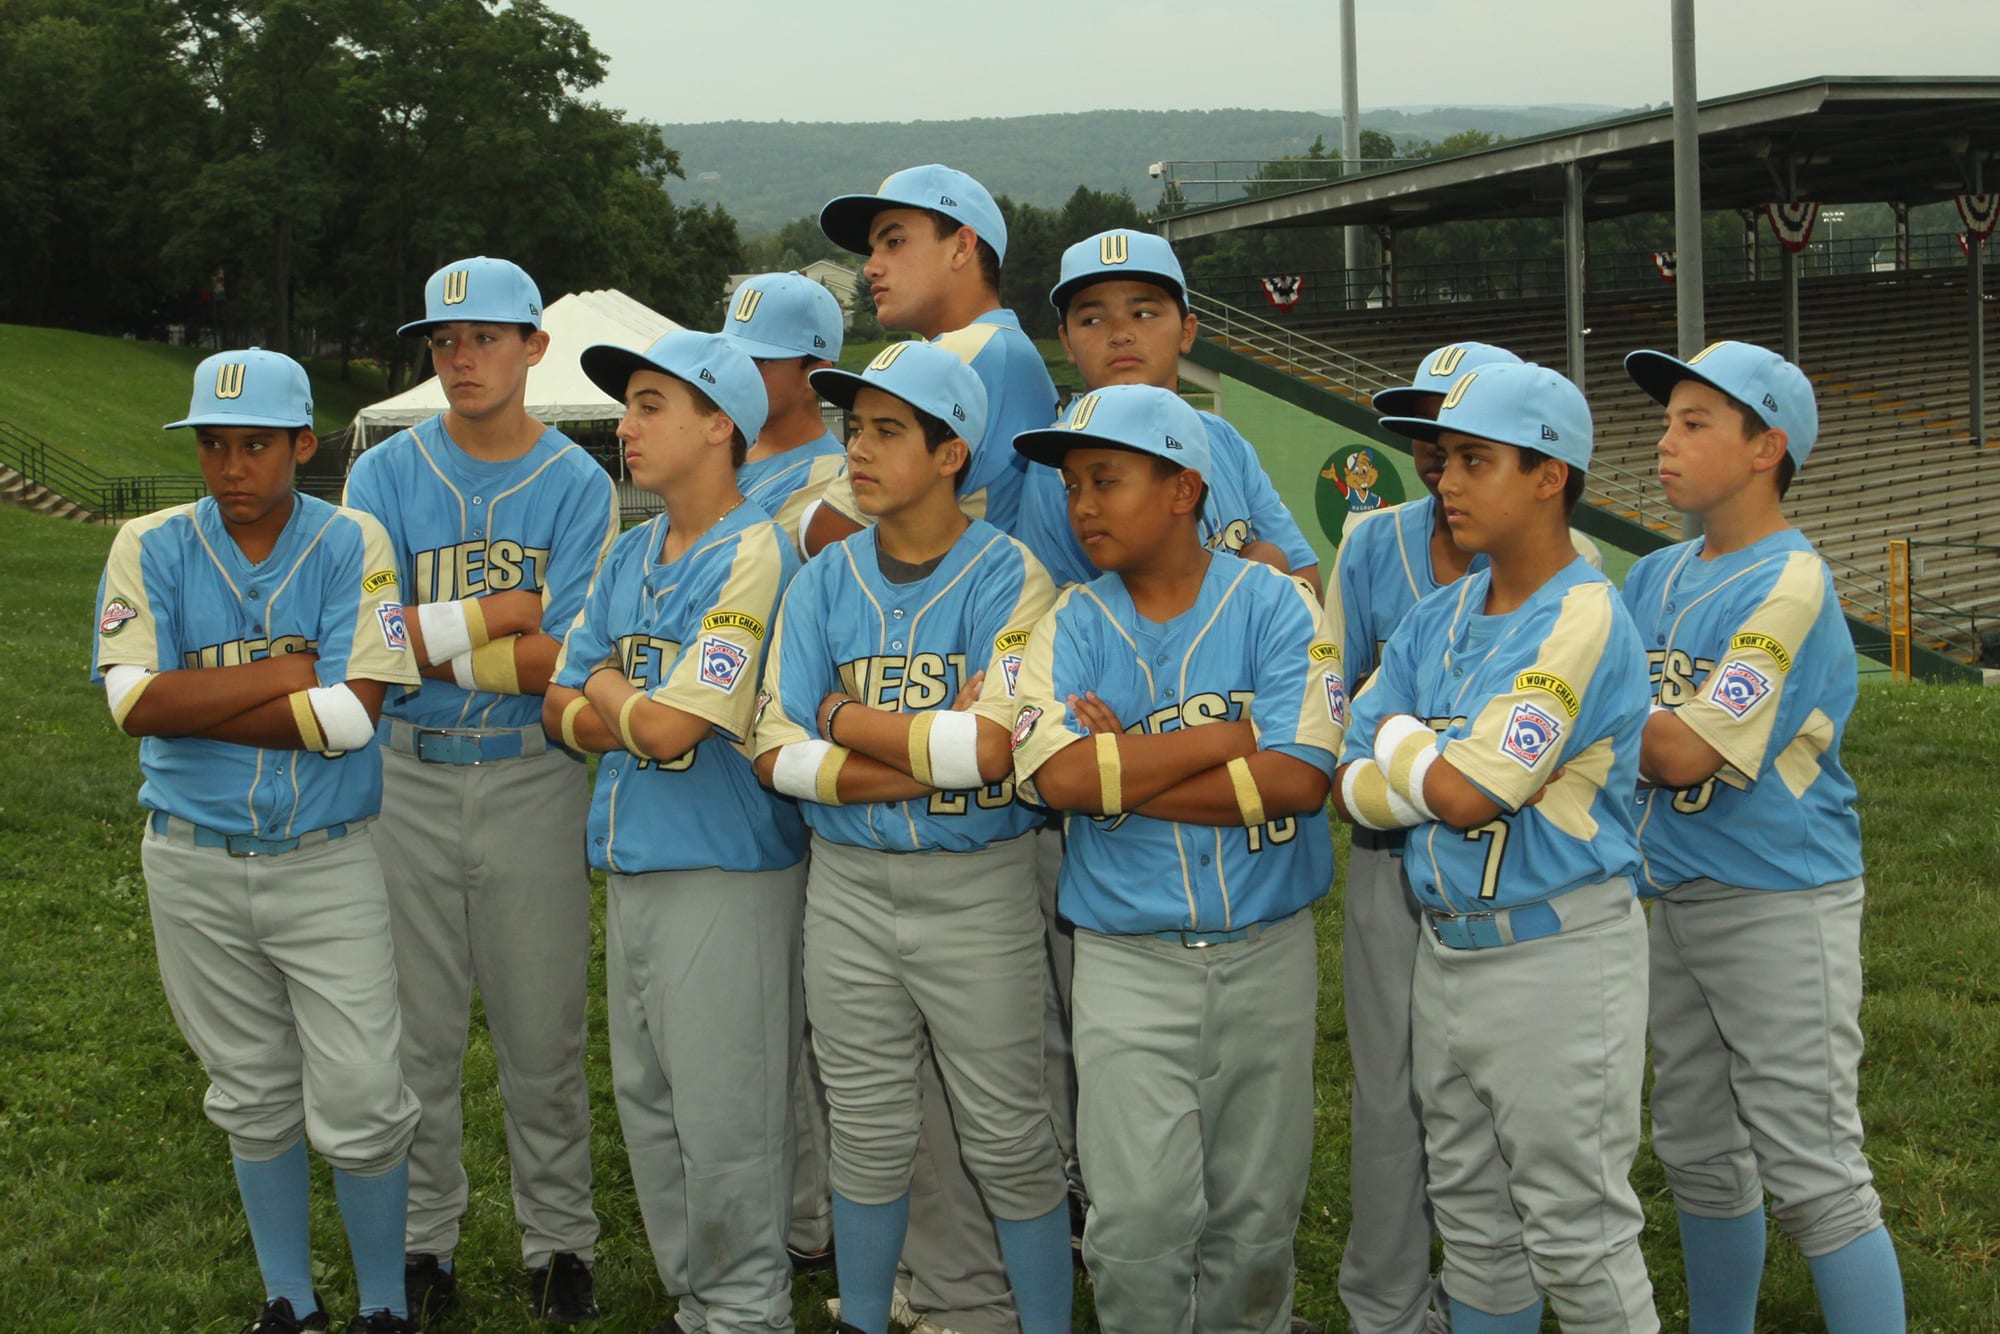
1901, 375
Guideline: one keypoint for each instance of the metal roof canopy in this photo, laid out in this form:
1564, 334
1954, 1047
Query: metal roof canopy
1834, 139
1849, 139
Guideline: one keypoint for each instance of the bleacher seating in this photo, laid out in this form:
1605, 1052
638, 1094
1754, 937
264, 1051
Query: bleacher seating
1887, 354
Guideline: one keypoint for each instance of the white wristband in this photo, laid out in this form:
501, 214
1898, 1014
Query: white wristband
796, 773
1416, 743
462, 671
119, 683
1395, 812
343, 718
954, 750
446, 634
1658, 708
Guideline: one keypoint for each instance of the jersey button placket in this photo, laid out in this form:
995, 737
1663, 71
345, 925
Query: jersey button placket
479, 529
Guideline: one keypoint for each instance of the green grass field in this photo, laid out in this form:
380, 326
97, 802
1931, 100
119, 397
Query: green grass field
124, 1213
103, 400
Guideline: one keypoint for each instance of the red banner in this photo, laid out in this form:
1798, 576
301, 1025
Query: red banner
1980, 212
1792, 224
1284, 292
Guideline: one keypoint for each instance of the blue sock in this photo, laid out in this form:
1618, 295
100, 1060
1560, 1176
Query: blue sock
1039, 1267
373, 1209
1724, 1260
1860, 1286
867, 1241
274, 1200
1466, 1320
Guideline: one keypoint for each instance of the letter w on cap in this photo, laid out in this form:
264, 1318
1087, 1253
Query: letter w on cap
455, 285
1114, 249
229, 378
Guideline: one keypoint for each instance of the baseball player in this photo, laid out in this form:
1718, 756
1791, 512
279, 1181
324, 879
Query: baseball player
1502, 729
1122, 302
921, 906
935, 240
706, 869
249, 638
1385, 566
1748, 832
790, 326
498, 523
1195, 849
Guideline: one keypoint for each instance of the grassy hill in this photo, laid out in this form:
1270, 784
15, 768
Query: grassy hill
768, 173
103, 400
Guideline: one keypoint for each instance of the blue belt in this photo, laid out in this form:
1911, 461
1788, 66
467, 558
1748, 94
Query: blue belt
1201, 940
1486, 930
242, 845
465, 746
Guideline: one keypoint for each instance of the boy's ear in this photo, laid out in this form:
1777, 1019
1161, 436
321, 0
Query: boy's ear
952, 455
1188, 486
538, 346
305, 446
1555, 476
1770, 448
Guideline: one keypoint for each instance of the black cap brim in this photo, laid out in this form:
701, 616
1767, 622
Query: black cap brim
610, 369
846, 220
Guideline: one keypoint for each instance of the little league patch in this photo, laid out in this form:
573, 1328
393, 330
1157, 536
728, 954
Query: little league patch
722, 663
1740, 688
1530, 733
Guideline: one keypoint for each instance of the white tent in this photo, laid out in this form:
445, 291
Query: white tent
558, 390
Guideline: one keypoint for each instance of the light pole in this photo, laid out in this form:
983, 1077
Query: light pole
1829, 216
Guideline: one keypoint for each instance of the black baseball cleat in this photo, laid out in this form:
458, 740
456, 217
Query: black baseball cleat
429, 1290
278, 1317
805, 1262
383, 1321
562, 1291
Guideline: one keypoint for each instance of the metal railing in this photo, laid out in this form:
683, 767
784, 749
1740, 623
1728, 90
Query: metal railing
1197, 184
107, 497
1304, 357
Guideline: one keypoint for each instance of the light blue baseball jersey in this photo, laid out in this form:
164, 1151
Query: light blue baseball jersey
692, 634
1383, 570
178, 592
1242, 507
1250, 645
1557, 683
785, 484
1020, 396
462, 527
907, 648
1751, 651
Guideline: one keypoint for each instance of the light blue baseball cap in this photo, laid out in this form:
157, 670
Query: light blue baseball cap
945, 190
249, 388
1139, 417
923, 375
776, 315
1439, 371
708, 362
1519, 404
1118, 253
479, 291
1774, 389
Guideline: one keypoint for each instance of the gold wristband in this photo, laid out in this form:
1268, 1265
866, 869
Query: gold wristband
310, 735
920, 748
1368, 797
1110, 775
625, 725
1404, 759
569, 713
1249, 800
493, 667
475, 621
827, 780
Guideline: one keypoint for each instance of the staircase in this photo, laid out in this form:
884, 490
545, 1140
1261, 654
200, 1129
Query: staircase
28, 494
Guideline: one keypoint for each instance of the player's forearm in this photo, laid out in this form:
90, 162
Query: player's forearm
535, 657
863, 778
187, 701
828, 526
643, 726
277, 724
441, 631
1454, 799
1085, 776
587, 731
858, 778
1672, 755
1284, 786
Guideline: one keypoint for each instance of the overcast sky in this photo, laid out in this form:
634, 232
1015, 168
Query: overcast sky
938, 60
